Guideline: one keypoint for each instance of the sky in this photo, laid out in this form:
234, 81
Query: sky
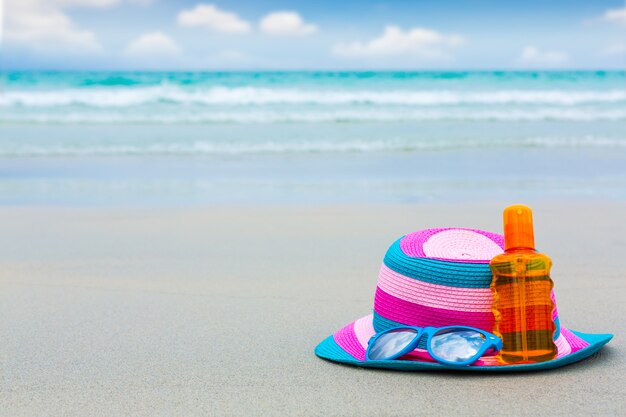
312, 35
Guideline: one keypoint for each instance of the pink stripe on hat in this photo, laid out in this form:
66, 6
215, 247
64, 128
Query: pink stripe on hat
453, 244
574, 341
364, 330
562, 346
348, 341
405, 312
555, 312
434, 295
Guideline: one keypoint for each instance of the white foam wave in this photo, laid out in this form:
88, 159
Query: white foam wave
303, 146
128, 97
260, 116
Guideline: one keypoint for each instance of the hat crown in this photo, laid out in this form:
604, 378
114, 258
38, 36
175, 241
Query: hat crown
438, 277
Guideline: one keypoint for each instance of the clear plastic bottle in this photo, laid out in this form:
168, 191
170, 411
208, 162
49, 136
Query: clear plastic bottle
521, 287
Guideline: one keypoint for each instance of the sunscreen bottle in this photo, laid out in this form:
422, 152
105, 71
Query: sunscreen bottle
521, 286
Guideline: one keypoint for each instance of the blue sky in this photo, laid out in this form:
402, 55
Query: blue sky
339, 34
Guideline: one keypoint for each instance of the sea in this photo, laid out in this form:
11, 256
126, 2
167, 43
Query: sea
194, 138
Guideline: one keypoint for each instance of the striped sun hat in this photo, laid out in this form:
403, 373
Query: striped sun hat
441, 277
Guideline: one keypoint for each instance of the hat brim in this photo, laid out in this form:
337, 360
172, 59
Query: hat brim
330, 349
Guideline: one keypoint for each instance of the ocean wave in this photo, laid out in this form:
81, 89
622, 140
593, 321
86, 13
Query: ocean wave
300, 147
264, 116
246, 96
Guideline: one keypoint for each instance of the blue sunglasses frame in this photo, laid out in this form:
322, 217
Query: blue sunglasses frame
491, 342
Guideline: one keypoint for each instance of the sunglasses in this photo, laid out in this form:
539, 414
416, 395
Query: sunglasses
450, 345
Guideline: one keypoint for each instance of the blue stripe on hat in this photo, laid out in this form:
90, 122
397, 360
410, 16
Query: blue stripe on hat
434, 271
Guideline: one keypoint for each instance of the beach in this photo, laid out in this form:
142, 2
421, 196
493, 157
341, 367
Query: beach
216, 310
177, 243
198, 198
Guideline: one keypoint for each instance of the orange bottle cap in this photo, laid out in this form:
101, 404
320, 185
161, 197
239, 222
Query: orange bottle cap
518, 227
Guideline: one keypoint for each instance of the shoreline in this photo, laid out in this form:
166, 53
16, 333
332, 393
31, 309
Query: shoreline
361, 178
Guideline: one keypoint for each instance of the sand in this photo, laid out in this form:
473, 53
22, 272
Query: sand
217, 310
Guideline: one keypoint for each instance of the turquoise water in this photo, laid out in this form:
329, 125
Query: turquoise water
209, 98
69, 137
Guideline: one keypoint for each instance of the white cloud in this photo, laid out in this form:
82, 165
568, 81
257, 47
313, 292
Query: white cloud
422, 42
615, 49
286, 23
209, 16
532, 56
615, 15
42, 24
153, 43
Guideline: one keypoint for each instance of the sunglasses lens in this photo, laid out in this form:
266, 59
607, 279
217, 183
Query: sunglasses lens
456, 345
390, 344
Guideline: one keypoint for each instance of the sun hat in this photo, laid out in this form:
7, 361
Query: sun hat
441, 277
